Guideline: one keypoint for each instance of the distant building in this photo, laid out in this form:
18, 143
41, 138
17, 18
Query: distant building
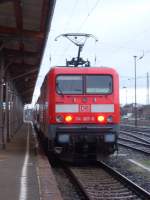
142, 111
125, 110
145, 112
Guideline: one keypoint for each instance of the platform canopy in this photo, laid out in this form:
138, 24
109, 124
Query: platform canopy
24, 26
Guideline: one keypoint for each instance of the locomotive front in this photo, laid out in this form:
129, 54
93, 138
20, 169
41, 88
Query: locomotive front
84, 111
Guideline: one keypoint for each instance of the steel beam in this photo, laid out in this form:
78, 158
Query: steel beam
37, 35
6, 1
23, 74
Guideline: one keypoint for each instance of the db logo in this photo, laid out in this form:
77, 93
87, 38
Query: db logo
84, 108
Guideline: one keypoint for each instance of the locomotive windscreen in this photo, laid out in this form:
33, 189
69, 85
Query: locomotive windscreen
84, 84
69, 84
98, 84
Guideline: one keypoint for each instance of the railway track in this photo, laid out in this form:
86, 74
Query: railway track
135, 147
138, 128
103, 182
136, 135
133, 139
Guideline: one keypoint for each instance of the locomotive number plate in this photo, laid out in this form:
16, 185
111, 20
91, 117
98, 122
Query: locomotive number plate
85, 108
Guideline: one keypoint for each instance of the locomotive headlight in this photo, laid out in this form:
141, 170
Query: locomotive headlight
68, 118
100, 118
110, 119
59, 118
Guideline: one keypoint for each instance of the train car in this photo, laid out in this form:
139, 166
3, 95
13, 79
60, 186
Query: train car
78, 111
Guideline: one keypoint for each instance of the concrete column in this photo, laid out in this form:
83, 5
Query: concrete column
10, 112
7, 124
2, 137
17, 111
14, 112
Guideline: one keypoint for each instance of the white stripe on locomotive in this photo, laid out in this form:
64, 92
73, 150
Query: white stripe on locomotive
102, 108
74, 108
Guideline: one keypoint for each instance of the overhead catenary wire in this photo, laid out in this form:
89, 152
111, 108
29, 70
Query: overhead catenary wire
90, 11
88, 15
67, 48
71, 15
67, 25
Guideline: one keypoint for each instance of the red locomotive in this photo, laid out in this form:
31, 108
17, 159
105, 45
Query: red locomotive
78, 111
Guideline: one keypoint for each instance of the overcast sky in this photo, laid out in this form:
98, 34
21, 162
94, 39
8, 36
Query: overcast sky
123, 30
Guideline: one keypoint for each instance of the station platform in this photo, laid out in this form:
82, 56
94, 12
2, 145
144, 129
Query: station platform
25, 173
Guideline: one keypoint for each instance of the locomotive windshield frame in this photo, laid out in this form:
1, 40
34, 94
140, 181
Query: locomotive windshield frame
79, 84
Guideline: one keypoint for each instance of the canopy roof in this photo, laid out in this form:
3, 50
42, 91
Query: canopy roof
24, 26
